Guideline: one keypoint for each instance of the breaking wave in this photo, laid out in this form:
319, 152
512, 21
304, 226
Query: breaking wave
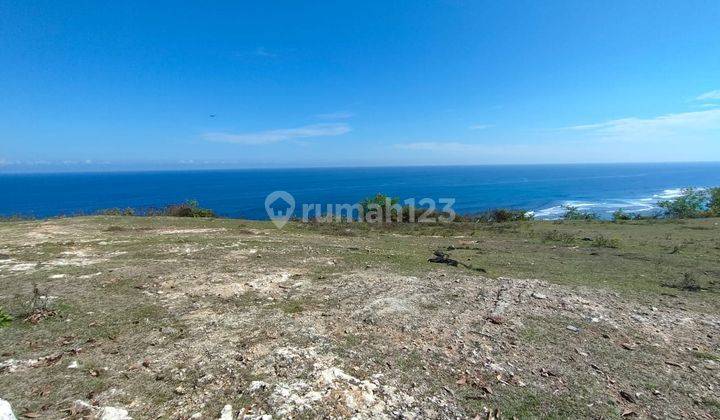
605, 208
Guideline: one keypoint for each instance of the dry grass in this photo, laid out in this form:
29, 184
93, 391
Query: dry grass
170, 317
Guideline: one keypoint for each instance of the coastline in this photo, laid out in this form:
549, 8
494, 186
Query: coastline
543, 189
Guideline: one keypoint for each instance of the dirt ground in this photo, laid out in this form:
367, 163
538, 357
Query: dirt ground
199, 318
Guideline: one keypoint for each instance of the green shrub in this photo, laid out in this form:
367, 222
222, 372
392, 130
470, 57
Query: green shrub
691, 204
381, 207
5, 318
386, 209
410, 214
573, 213
714, 204
190, 208
687, 283
557, 236
652, 216
117, 212
620, 214
604, 242
505, 215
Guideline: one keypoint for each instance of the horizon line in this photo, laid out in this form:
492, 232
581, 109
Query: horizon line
194, 168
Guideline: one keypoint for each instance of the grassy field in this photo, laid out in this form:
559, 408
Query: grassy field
176, 317
627, 256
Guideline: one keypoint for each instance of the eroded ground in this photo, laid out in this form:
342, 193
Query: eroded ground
174, 318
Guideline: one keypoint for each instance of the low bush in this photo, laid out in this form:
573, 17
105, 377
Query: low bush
505, 215
381, 208
38, 306
190, 208
620, 215
117, 212
573, 213
604, 242
5, 318
424, 214
687, 283
651, 216
557, 236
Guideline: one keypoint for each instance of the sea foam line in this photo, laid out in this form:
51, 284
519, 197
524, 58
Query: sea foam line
607, 207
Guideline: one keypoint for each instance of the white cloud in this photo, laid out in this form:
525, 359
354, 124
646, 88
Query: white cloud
683, 126
275, 136
339, 115
451, 152
480, 126
435, 146
709, 96
262, 52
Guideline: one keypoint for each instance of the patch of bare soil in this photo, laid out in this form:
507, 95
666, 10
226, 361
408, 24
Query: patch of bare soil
373, 344
282, 326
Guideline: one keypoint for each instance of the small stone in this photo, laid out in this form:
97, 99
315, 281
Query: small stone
257, 385
638, 318
113, 413
573, 328
6, 412
168, 330
537, 295
81, 407
628, 346
180, 390
73, 365
227, 412
627, 396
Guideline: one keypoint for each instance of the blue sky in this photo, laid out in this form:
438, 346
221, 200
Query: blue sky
234, 84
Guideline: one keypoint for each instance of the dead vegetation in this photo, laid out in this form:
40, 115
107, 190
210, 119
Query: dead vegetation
37, 307
688, 283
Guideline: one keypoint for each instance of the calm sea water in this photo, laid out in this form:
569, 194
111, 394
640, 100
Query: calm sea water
241, 193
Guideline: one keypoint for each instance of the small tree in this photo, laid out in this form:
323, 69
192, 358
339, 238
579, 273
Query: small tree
573, 213
714, 205
692, 203
620, 214
380, 208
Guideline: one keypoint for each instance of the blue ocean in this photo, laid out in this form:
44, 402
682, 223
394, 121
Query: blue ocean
543, 189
